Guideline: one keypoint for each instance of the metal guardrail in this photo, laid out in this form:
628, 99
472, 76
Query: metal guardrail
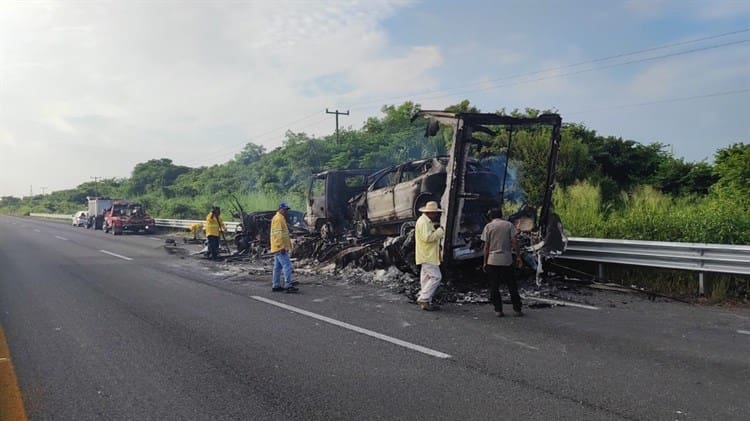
697, 257
165, 223
186, 223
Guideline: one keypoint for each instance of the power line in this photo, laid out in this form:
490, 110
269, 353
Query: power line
561, 67
452, 91
254, 137
577, 72
663, 101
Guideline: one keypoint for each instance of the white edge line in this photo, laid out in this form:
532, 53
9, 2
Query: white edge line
115, 255
744, 332
61, 238
562, 303
357, 329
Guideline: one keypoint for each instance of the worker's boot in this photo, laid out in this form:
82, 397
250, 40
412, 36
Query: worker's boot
426, 306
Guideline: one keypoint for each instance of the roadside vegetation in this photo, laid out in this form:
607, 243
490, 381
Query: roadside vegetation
607, 186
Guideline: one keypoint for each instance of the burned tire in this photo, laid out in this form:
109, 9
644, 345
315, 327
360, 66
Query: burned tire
405, 228
326, 231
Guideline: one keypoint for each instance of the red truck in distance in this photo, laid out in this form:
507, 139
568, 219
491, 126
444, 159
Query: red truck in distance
127, 216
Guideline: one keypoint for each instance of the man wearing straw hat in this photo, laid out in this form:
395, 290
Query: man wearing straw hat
427, 235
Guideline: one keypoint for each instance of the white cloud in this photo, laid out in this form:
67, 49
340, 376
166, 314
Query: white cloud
129, 81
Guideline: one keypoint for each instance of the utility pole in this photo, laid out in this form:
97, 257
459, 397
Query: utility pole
338, 142
96, 185
31, 190
43, 189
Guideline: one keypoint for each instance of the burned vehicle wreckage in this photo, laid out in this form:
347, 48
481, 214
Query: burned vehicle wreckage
371, 225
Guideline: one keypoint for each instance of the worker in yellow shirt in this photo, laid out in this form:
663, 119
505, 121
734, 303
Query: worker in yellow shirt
281, 245
427, 236
214, 226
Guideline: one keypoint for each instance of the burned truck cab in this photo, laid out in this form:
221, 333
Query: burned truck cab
465, 200
328, 212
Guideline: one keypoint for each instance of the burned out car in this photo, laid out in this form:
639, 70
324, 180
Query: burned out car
253, 234
391, 203
328, 211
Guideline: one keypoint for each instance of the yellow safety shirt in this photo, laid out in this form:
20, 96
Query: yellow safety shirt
214, 225
427, 241
280, 234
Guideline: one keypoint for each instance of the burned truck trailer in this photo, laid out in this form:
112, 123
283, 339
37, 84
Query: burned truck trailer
462, 218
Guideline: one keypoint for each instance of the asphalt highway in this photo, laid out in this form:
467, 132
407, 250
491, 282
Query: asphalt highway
115, 328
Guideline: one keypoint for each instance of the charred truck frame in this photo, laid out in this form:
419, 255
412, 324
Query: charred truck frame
460, 218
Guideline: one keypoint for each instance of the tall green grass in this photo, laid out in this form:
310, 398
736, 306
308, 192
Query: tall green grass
647, 214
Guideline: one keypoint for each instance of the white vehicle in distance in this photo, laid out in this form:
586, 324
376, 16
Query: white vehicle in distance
80, 219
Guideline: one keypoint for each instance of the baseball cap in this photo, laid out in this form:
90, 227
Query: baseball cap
283, 205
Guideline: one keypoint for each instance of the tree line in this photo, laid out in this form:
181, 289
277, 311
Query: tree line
608, 174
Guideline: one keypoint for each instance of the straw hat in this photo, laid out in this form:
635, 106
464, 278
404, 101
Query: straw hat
430, 207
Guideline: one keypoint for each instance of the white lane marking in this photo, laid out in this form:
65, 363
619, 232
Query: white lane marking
560, 303
519, 343
744, 332
36, 230
357, 329
4, 359
154, 238
115, 255
61, 238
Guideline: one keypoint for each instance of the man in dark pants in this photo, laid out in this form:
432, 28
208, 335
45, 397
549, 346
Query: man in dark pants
214, 227
500, 244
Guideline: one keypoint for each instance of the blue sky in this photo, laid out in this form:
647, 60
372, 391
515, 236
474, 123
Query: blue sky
93, 88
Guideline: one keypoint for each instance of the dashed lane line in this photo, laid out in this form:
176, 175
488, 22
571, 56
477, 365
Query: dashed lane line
116, 255
744, 332
154, 238
37, 230
61, 238
373, 334
560, 303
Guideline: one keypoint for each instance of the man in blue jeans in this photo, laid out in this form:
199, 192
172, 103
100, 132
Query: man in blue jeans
281, 245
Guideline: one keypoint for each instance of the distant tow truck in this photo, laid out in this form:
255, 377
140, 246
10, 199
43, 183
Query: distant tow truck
127, 216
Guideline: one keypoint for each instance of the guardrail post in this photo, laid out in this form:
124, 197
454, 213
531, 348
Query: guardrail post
701, 286
600, 271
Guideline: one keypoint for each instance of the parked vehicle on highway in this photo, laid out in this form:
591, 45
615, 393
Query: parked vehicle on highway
390, 204
127, 216
80, 219
97, 206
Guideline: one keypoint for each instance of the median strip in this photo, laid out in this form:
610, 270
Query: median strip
115, 255
376, 335
11, 400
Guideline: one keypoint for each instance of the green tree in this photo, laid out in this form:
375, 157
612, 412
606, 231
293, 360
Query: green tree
732, 166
